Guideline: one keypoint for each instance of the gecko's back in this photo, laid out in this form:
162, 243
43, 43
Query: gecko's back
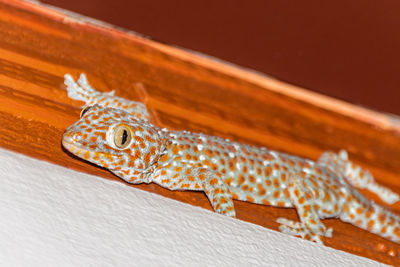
252, 173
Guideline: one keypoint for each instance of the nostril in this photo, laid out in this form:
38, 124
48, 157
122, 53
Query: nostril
76, 137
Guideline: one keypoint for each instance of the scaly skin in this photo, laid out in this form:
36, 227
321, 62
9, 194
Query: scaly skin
127, 144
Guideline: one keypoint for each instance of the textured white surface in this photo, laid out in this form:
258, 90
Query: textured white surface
53, 216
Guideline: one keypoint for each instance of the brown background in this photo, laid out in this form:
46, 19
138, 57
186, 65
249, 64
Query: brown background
346, 49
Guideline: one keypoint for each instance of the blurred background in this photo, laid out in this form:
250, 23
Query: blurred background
345, 49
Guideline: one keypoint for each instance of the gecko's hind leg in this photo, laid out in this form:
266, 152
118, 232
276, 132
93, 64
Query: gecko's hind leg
355, 175
310, 227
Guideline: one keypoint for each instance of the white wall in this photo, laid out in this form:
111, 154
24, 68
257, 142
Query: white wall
53, 216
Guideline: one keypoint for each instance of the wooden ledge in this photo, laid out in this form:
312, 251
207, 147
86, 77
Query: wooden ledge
184, 91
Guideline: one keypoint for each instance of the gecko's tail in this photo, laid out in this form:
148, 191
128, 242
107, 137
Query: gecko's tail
370, 216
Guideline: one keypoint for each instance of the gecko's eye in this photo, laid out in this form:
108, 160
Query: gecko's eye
86, 109
122, 136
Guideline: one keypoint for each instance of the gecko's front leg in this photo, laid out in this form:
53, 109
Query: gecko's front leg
181, 177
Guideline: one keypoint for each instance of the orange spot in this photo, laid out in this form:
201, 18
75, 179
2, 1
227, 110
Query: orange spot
370, 224
277, 167
307, 208
316, 193
241, 179
368, 214
252, 179
268, 171
228, 181
93, 146
139, 139
245, 187
261, 190
345, 208
286, 193
336, 207
86, 155
359, 210
214, 166
301, 200
163, 172
103, 135
276, 182
280, 204
165, 181
234, 195
396, 231
232, 164
266, 201
137, 154
126, 172
209, 152
381, 218
175, 150
206, 162
244, 169
213, 181
276, 194
267, 157
327, 197
148, 138
178, 169
283, 177
223, 200
164, 158
190, 178
202, 177
250, 198
147, 158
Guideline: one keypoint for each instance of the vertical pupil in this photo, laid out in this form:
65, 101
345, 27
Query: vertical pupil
124, 137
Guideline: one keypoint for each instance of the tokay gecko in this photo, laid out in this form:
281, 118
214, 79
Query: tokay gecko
116, 134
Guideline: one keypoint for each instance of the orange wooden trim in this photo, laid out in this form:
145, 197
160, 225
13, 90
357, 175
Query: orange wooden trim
184, 91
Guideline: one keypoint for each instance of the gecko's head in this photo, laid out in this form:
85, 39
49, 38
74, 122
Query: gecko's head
114, 139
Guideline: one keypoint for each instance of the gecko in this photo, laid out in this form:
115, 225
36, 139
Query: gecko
117, 134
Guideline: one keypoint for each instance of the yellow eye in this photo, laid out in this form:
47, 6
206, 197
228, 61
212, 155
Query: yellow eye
86, 109
122, 136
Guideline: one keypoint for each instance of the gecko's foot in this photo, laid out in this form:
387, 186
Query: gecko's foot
299, 229
84, 84
81, 90
224, 205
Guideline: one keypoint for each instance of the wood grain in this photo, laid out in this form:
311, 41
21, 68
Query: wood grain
183, 91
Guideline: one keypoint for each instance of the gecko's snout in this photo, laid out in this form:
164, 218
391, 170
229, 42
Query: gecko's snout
70, 139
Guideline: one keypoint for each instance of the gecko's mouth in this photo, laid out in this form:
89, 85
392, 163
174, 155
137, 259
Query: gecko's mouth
72, 145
